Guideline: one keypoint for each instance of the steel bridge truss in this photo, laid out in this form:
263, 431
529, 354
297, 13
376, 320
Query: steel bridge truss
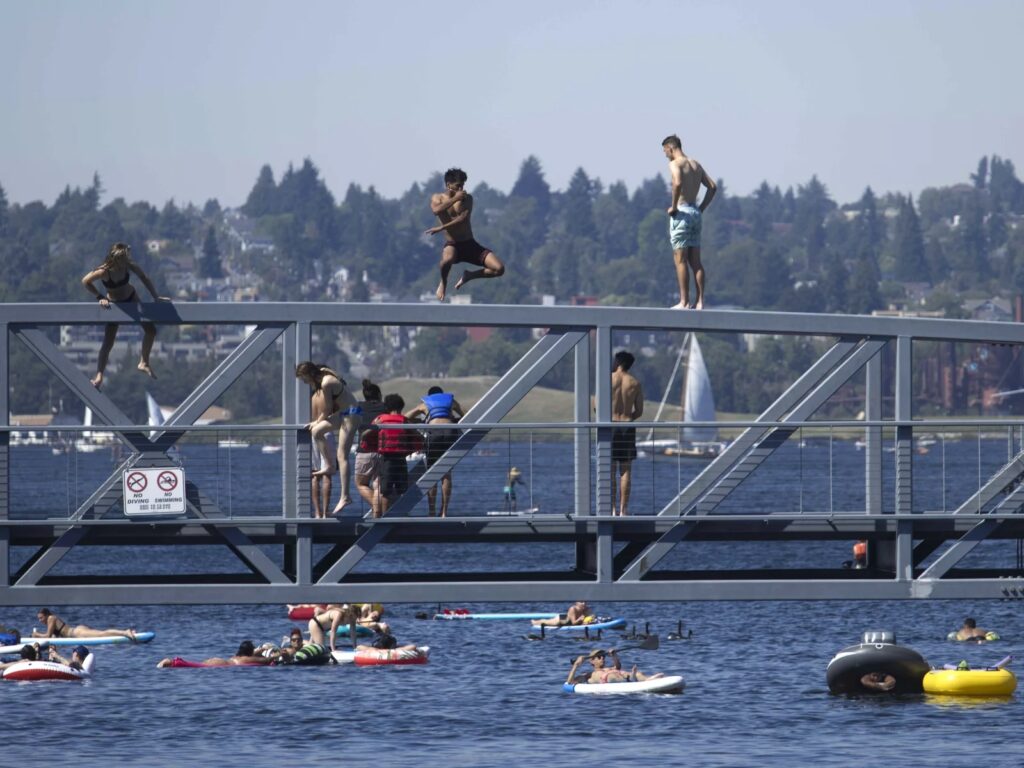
914, 554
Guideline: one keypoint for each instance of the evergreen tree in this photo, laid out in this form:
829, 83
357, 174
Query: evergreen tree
531, 184
760, 216
1007, 190
812, 205
973, 248
209, 263
3, 211
211, 209
651, 195
613, 221
908, 245
834, 283
577, 209
173, 224
263, 196
863, 295
935, 256
981, 177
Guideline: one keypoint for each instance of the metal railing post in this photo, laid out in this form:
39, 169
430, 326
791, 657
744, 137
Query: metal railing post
904, 434
603, 396
873, 437
5, 454
582, 438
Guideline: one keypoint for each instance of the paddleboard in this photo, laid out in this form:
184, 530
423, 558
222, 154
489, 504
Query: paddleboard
140, 637
670, 684
607, 624
493, 616
382, 656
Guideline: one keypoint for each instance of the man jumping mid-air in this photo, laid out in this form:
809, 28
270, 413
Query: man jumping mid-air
453, 208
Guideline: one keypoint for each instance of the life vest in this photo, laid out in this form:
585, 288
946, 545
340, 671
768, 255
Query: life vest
439, 406
395, 442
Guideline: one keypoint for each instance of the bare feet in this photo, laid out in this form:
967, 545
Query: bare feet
97, 380
144, 367
462, 281
700, 304
344, 502
440, 291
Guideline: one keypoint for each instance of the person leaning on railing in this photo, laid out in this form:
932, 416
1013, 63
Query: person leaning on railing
394, 445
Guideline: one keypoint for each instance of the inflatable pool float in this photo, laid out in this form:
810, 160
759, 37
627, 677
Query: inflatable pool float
32, 671
302, 612
988, 638
140, 637
179, 663
670, 684
594, 625
361, 631
9, 638
877, 652
382, 656
970, 682
456, 615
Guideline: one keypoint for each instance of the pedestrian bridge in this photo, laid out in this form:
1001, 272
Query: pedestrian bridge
772, 516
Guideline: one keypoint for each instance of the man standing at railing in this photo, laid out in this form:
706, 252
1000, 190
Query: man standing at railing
627, 405
438, 407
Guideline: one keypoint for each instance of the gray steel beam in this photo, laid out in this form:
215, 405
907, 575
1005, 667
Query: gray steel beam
605, 546
797, 403
873, 436
5, 463
496, 403
360, 549
582, 439
249, 553
603, 406
904, 551
1003, 480
519, 591
749, 437
904, 434
103, 407
53, 554
960, 549
523, 316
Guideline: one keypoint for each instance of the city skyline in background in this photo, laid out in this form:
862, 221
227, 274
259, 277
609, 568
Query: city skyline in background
186, 101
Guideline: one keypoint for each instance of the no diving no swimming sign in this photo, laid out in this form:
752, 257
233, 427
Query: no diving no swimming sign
159, 491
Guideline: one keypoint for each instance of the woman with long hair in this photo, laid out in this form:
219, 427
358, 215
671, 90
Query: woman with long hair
340, 412
115, 273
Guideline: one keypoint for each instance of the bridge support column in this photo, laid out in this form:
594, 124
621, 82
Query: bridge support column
581, 414
5, 442
603, 392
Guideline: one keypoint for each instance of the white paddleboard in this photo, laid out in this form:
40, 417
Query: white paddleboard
670, 684
140, 637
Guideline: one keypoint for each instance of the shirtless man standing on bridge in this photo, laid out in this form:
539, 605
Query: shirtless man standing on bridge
685, 219
627, 405
453, 208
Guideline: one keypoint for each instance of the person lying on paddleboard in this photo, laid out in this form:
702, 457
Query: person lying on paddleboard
244, 656
57, 627
578, 613
603, 674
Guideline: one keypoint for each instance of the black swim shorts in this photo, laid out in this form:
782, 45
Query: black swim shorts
623, 443
468, 252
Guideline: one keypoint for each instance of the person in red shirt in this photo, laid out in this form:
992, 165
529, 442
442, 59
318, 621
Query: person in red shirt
393, 445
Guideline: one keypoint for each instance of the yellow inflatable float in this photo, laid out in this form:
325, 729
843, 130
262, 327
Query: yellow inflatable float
970, 682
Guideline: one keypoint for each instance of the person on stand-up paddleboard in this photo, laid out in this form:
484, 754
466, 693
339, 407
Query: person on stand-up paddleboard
578, 613
602, 674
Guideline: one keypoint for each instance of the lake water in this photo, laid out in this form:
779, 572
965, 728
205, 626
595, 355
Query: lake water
755, 671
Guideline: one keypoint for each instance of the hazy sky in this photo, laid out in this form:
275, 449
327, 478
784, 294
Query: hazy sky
188, 98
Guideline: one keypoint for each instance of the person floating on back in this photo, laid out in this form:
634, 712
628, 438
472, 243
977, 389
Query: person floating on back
453, 208
115, 273
685, 219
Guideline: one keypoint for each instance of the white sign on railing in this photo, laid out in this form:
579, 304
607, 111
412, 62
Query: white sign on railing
158, 491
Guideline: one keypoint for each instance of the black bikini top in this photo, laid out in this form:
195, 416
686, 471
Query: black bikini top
117, 283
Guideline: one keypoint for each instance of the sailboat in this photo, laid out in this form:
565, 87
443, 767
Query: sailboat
86, 441
156, 418
698, 406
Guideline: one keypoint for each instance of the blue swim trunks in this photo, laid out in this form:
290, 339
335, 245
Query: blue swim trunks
684, 227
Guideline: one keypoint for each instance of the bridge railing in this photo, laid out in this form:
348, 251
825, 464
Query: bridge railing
238, 471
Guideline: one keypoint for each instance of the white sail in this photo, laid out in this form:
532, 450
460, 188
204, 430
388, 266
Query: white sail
156, 416
699, 403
